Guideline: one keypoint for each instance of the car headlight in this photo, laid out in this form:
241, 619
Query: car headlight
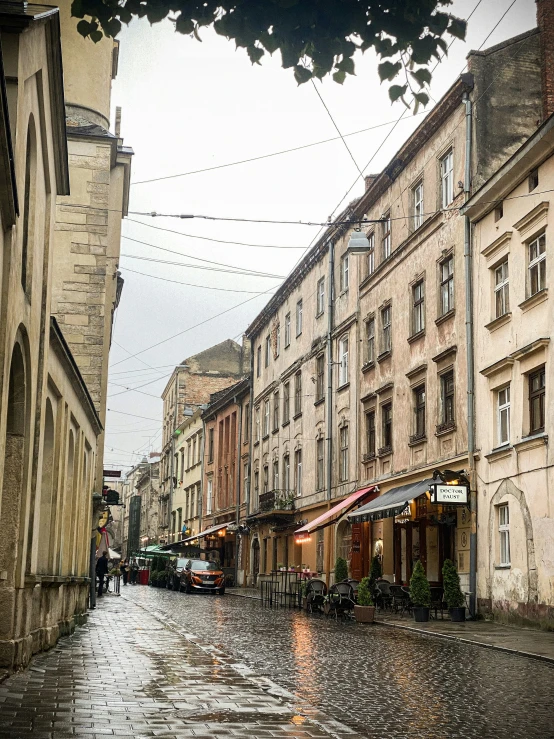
196, 579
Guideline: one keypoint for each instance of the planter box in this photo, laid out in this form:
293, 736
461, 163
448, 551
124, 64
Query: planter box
421, 614
457, 614
364, 614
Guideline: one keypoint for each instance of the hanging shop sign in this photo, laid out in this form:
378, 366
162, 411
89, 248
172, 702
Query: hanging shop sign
449, 494
112, 473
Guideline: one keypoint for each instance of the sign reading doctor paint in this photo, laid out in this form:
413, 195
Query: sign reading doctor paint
449, 494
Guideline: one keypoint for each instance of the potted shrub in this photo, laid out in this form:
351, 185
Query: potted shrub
162, 578
154, 578
341, 570
453, 595
375, 573
420, 594
364, 611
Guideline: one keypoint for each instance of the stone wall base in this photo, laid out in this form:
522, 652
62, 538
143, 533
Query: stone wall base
536, 615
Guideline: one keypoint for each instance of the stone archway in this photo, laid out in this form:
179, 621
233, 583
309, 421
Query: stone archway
507, 487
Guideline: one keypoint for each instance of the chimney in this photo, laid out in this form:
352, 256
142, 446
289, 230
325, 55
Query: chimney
545, 22
117, 127
369, 180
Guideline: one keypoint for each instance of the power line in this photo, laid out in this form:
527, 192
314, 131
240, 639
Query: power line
134, 415
188, 284
200, 266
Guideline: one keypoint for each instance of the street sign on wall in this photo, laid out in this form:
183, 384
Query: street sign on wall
449, 494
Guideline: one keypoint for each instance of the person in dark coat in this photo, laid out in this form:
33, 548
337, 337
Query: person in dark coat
125, 569
102, 569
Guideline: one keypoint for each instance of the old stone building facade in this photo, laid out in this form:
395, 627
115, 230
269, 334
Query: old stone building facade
187, 492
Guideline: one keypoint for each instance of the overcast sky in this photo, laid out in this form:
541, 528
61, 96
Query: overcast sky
189, 106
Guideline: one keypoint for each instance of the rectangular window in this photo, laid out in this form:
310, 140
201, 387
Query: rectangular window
258, 361
210, 445
266, 417
533, 180
275, 411
371, 253
447, 285
320, 308
257, 423
343, 359
536, 401
344, 273
499, 212
504, 533
267, 350
298, 471
320, 481
503, 416
287, 330
246, 422
209, 497
320, 377
297, 393
370, 433
275, 475
537, 265
419, 412
418, 307
265, 480
447, 179
286, 473
387, 426
501, 289
286, 402
417, 194
386, 329
447, 399
343, 462
370, 340
386, 240
278, 340
299, 318
256, 489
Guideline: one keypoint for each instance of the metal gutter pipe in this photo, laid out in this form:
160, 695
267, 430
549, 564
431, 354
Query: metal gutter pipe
470, 359
329, 409
238, 401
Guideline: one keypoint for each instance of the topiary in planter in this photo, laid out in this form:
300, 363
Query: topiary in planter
420, 591
453, 595
162, 578
364, 593
341, 569
364, 610
153, 577
375, 573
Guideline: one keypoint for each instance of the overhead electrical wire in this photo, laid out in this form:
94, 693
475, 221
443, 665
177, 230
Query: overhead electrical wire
134, 415
200, 266
188, 284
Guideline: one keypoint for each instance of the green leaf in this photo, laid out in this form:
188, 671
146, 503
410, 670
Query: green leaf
423, 49
339, 77
301, 74
96, 36
112, 27
457, 28
77, 9
184, 25
84, 28
422, 76
422, 98
269, 41
346, 65
388, 70
255, 54
396, 91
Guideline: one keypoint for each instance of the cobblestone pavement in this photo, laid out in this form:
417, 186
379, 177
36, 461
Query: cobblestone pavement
379, 680
126, 674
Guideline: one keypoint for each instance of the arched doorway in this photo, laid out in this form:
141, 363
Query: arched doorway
45, 536
255, 560
344, 542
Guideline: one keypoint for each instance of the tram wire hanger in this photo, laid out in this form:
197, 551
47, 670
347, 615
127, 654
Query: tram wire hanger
329, 222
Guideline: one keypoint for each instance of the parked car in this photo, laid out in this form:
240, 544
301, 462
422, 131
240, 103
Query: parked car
176, 570
202, 576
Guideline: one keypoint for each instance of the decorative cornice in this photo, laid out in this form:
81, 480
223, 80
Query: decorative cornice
492, 249
533, 220
446, 353
499, 366
416, 371
534, 346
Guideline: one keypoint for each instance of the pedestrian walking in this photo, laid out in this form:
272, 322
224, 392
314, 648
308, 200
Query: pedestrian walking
134, 572
101, 571
125, 570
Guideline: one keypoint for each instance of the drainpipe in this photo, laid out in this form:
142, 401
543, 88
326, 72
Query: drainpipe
251, 428
200, 501
470, 359
237, 489
329, 409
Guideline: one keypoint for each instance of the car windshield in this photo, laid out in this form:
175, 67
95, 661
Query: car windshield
181, 562
206, 566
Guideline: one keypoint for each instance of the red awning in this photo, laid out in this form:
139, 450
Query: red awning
330, 516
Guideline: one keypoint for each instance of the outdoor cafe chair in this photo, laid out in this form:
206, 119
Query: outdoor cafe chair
383, 595
340, 600
400, 598
316, 590
437, 602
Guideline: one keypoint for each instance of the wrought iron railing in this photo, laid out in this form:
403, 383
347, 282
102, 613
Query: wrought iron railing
281, 500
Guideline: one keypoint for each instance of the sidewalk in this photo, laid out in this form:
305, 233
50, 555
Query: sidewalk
514, 639
128, 674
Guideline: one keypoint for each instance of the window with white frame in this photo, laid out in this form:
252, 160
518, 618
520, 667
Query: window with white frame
320, 472
386, 239
537, 392
344, 273
278, 340
418, 307
343, 461
386, 329
370, 340
209, 497
320, 377
287, 330
447, 285
267, 350
503, 415
265, 480
298, 471
386, 430
266, 417
286, 402
447, 179
276, 410
299, 318
257, 423
371, 443
286, 473
371, 253
275, 475
504, 534
343, 358
417, 195
320, 307
537, 265
258, 361
501, 289
298, 393
256, 487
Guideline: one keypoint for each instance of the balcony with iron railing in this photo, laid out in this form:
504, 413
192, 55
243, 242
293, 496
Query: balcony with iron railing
275, 503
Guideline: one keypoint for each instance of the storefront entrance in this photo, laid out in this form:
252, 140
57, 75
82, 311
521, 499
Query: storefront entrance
426, 539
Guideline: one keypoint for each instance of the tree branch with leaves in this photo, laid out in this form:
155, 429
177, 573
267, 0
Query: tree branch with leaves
314, 37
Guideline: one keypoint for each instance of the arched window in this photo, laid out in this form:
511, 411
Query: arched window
29, 194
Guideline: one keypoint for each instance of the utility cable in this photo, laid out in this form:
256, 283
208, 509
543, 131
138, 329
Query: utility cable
200, 266
189, 284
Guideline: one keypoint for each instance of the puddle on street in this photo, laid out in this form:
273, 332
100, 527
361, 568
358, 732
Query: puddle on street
227, 716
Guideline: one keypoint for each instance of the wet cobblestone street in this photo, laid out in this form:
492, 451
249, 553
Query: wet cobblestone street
228, 667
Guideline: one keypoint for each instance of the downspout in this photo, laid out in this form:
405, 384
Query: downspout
237, 490
200, 501
329, 409
470, 359
250, 420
